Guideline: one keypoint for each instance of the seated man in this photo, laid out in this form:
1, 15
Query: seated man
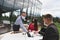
51, 32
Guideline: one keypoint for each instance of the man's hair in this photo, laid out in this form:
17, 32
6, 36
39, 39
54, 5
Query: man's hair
22, 12
48, 16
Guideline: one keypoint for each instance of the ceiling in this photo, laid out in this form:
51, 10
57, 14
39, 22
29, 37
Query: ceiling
11, 5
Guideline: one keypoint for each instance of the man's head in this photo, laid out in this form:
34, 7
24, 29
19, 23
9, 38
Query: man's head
23, 14
47, 19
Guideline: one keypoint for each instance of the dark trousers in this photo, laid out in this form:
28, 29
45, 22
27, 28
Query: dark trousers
16, 27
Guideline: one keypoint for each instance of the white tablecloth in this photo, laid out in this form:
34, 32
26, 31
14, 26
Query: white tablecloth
20, 36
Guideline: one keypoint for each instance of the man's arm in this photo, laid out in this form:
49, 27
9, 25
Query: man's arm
42, 31
22, 26
24, 29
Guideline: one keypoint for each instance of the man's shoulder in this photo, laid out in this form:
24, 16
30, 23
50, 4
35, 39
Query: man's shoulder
52, 25
19, 17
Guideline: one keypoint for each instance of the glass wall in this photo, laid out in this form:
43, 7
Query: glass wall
21, 4
13, 8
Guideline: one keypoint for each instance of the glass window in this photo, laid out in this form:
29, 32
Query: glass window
8, 3
1, 2
5, 16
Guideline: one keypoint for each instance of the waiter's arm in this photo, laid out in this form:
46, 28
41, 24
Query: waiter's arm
22, 26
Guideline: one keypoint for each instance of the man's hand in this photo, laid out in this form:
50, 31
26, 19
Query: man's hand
28, 34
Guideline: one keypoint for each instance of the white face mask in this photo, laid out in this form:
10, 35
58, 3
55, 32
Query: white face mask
45, 24
23, 17
27, 20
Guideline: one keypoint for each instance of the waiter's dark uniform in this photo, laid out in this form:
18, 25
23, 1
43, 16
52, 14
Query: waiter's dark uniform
51, 33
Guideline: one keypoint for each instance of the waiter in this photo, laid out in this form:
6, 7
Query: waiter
51, 32
19, 23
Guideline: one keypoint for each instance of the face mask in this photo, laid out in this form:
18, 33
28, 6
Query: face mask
45, 24
27, 20
23, 17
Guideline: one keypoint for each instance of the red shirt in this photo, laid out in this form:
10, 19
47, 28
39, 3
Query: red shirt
31, 27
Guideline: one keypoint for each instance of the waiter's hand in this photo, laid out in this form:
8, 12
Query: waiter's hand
28, 34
